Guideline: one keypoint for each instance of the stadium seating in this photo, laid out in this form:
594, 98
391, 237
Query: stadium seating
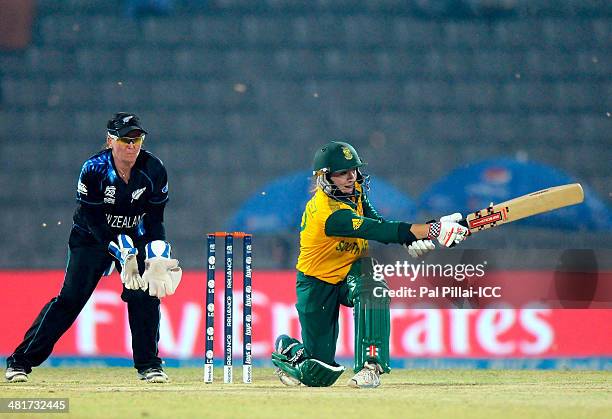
235, 93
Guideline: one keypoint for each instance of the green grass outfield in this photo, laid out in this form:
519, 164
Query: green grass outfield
115, 392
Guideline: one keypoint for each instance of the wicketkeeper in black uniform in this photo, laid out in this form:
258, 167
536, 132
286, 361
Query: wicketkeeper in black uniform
121, 195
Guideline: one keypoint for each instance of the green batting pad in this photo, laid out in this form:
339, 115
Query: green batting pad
310, 372
372, 317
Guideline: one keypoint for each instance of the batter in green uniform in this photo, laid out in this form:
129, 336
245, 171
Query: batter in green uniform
334, 269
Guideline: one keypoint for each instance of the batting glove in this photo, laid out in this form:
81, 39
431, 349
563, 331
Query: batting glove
455, 217
418, 248
161, 273
125, 252
448, 231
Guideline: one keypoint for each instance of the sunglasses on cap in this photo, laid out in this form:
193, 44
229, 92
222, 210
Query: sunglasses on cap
129, 140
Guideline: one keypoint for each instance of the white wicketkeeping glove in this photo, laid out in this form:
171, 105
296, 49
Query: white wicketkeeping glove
125, 252
448, 231
161, 273
418, 248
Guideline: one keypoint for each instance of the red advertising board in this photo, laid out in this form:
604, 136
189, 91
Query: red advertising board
102, 328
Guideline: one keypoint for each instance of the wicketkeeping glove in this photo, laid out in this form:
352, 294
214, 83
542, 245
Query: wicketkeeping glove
161, 273
125, 252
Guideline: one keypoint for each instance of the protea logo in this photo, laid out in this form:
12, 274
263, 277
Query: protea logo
81, 188
347, 153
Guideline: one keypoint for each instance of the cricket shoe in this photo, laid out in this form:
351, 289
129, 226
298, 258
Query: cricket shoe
16, 375
153, 375
286, 379
368, 377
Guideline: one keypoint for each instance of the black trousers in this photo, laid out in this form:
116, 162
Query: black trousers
87, 261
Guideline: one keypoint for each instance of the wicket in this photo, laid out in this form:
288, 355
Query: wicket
247, 367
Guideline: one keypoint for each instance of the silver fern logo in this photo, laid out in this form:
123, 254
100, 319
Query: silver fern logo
137, 193
81, 188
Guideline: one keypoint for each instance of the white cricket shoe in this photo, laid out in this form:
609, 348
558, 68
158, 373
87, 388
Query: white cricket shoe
368, 377
16, 375
153, 375
286, 379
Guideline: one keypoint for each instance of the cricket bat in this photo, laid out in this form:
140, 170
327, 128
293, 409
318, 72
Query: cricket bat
524, 206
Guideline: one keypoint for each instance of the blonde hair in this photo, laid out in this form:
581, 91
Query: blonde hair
106, 145
314, 184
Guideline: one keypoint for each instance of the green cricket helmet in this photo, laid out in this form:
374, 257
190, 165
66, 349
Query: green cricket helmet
334, 157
